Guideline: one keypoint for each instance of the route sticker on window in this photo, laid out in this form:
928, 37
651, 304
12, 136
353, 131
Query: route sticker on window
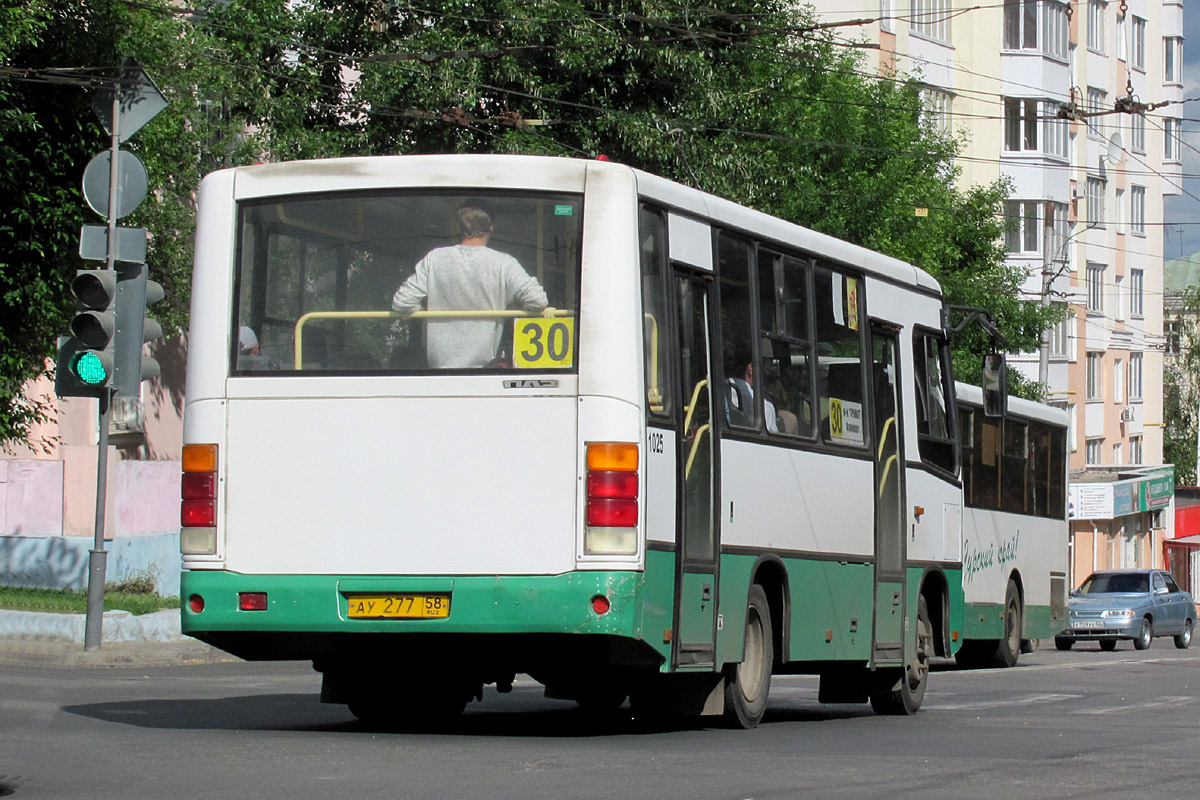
543, 343
845, 421
852, 304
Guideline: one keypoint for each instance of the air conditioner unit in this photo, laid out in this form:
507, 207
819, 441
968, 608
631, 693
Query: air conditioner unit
1127, 414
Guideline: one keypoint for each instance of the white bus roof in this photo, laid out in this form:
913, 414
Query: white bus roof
487, 171
1017, 407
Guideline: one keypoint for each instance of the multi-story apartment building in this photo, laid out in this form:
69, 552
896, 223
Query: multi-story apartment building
1078, 104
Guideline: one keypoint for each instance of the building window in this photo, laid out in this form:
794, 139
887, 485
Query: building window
1020, 124
1118, 381
887, 16
931, 18
1092, 451
938, 105
1096, 99
1137, 301
1137, 133
1171, 139
1055, 132
1172, 59
1119, 206
1023, 231
1173, 332
1117, 455
1137, 44
1060, 334
1135, 376
1135, 449
1137, 209
1095, 288
1094, 195
1055, 30
1097, 9
1095, 376
1020, 24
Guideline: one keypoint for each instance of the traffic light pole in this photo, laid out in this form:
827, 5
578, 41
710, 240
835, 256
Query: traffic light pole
98, 556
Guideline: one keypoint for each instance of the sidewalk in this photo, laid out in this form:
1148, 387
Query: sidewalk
36, 639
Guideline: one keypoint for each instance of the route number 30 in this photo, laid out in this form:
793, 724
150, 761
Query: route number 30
540, 342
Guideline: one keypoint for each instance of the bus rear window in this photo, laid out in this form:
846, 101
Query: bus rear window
407, 282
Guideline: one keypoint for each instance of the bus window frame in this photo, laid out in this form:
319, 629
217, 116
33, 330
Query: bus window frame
920, 332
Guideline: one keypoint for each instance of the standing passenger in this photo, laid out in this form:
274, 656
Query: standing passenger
469, 276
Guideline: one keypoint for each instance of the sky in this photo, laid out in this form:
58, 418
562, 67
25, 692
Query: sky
1183, 211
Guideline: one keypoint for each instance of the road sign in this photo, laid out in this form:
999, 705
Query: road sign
138, 101
132, 183
131, 244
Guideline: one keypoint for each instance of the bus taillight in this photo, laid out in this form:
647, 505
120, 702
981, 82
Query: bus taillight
612, 499
198, 505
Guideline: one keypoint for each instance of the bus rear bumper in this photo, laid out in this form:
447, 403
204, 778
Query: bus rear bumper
302, 617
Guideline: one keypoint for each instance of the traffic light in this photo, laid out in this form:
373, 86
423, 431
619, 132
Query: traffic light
134, 292
85, 359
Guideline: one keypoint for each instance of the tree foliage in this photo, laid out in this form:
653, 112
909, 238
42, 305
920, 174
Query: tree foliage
747, 99
1181, 392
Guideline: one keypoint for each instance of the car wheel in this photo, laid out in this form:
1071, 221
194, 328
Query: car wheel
1063, 644
1145, 636
1108, 645
1184, 640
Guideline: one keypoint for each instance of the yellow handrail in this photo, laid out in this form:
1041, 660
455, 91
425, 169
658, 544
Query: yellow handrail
887, 467
653, 394
487, 314
883, 436
700, 432
687, 420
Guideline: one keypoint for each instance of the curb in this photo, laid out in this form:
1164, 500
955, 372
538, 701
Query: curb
39, 639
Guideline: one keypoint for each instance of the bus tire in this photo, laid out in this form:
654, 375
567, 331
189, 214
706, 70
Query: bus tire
903, 691
748, 682
1008, 649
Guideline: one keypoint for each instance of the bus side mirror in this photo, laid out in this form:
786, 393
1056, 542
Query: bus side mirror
995, 385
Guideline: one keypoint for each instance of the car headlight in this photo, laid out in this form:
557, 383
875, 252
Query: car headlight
1118, 613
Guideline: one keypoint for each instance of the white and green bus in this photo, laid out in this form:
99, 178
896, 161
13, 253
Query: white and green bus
720, 446
1015, 529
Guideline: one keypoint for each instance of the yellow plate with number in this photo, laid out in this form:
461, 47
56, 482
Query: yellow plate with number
543, 342
398, 606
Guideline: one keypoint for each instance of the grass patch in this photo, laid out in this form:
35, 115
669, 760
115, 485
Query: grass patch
70, 601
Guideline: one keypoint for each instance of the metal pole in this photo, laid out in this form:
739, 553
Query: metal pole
1047, 276
98, 556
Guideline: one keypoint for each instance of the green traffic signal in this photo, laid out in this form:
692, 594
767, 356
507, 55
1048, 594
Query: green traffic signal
89, 368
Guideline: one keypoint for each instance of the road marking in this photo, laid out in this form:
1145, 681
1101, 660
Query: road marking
1014, 701
1156, 703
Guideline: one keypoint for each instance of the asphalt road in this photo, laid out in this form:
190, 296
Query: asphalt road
1082, 724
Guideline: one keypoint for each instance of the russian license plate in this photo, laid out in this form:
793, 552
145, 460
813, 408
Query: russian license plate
398, 606
1089, 623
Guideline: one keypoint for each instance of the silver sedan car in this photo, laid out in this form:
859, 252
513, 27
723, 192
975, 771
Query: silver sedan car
1136, 604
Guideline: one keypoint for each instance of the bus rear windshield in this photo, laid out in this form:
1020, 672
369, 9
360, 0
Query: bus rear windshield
407, 282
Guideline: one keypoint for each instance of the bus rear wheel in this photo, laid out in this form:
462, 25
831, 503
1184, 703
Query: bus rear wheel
905, 694
748, 683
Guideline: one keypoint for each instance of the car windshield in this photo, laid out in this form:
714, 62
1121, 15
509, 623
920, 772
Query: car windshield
1117, 582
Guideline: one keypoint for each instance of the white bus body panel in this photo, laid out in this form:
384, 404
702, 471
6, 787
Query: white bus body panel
785, 499
389, 492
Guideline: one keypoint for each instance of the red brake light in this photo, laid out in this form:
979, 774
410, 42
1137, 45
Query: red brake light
612, 484
198, 513
252, 601
198, 485
601, 604
196, 603
612, 513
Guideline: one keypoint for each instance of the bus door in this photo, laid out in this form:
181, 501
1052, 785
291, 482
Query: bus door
890, 543
696, 533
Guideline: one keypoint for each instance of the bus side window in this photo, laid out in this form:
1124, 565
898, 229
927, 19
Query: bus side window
742, 390
839, 354
655, 331
785, 342
934, 432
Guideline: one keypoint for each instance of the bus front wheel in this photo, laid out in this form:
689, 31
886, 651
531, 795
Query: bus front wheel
903, 691
748, 683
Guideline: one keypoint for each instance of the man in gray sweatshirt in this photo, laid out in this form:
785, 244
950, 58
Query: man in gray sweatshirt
469, 276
